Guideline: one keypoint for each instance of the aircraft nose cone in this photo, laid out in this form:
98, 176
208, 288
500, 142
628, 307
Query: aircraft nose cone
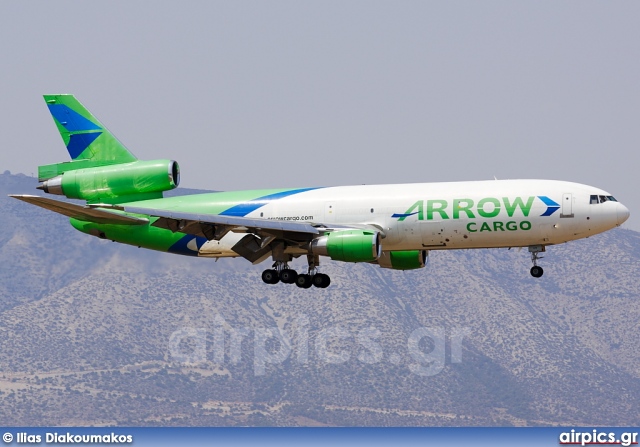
623, 213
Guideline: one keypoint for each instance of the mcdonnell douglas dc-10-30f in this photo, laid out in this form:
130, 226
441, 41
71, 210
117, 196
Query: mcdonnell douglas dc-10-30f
393, 226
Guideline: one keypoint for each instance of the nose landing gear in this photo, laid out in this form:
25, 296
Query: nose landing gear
536, 271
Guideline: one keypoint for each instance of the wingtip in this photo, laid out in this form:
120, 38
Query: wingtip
22, 196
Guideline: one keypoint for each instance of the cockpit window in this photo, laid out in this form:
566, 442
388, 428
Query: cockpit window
594, 199
602, 199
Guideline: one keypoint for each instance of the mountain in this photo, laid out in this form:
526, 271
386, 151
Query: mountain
98, 333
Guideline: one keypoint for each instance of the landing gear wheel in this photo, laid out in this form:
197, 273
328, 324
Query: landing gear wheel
536, 271
304, 281
270, 276
321, 280
288, 276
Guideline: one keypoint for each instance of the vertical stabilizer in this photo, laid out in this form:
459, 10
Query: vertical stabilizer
84, 136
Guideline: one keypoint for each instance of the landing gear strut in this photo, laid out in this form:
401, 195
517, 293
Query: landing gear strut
319, 280
536, 270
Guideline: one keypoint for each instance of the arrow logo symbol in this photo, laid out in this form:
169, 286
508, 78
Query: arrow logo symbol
552, 206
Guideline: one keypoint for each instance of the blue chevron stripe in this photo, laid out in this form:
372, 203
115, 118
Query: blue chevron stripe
402, 215
245, 208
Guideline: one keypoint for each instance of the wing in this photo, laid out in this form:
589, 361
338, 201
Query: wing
79, 212
261, 233
254, 246
213, 226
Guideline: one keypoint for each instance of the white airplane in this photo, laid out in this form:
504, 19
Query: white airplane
394, 226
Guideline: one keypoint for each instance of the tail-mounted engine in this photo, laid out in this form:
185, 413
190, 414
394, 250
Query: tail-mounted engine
120, 182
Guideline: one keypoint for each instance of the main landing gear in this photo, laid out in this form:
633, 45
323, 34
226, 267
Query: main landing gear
536, 270
282, 273
289, 276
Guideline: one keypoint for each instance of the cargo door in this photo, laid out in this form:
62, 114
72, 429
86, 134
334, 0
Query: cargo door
567, 205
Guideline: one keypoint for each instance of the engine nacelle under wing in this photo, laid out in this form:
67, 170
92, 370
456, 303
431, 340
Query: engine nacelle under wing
349, 245
403, 260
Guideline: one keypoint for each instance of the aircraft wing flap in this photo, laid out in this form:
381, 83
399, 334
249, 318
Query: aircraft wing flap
79, 212
214, 226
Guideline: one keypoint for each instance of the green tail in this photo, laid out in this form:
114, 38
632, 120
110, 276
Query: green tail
89, 143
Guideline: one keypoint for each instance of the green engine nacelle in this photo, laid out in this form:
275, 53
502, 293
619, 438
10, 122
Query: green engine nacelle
113, 183
348, 245
403, 260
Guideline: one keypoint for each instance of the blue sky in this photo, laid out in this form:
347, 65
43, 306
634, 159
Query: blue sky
292, 94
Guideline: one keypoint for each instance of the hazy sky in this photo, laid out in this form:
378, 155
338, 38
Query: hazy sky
285, 94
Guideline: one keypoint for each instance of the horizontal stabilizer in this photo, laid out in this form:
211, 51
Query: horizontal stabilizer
79, 212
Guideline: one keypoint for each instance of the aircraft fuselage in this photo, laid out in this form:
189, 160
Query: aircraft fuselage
431, 216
